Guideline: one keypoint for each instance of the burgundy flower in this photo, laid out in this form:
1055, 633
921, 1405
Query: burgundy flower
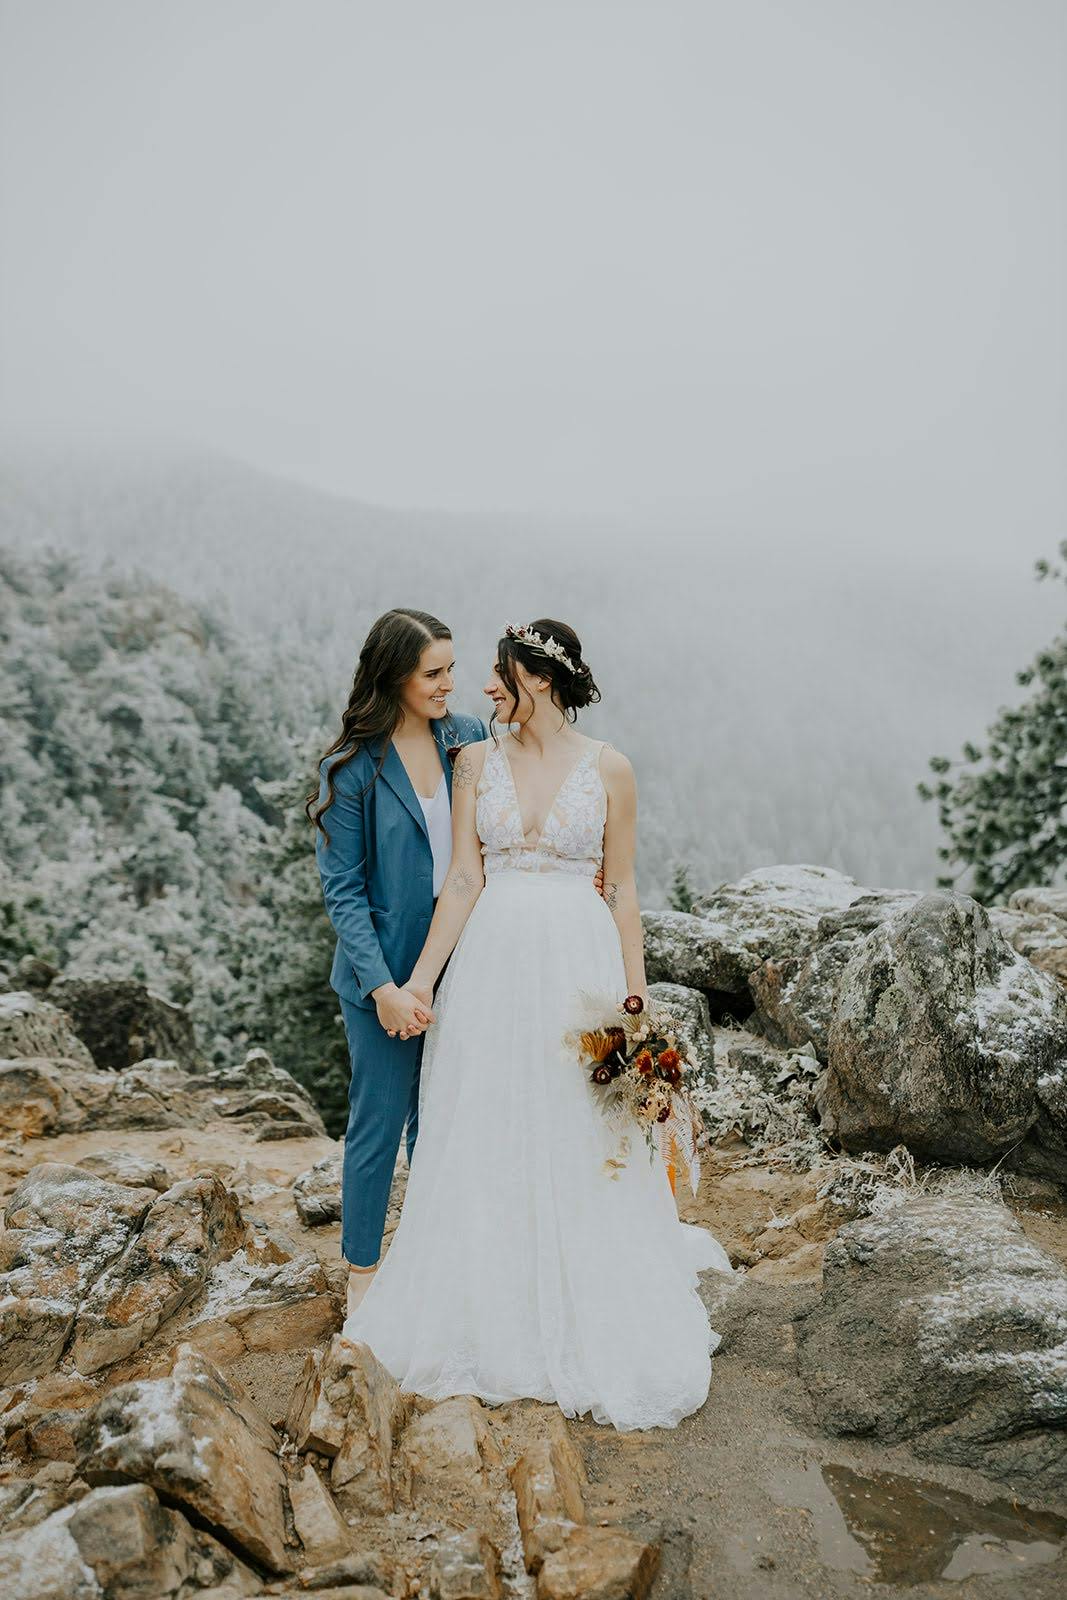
633, 1004
452, 752
602, 1074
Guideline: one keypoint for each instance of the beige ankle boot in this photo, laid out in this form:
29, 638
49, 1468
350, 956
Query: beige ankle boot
359, 1281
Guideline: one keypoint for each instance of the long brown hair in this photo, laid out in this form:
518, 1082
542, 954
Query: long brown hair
390, 654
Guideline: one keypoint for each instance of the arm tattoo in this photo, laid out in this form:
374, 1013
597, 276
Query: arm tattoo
611, 895
460, 881
463, 772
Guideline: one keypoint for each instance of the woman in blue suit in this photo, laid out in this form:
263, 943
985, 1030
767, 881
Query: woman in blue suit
383, 844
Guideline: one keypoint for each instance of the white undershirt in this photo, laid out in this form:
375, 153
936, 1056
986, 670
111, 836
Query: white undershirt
438, 815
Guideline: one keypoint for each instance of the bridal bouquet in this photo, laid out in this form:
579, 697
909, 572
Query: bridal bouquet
636, 1063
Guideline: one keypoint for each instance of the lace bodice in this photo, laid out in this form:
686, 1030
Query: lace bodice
572, 839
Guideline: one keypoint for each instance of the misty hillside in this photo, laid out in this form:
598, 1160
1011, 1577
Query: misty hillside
778, 697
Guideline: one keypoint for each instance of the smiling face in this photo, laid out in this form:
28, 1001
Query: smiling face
508, 709
425, 693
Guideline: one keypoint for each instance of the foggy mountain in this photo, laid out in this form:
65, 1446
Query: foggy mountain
779, 695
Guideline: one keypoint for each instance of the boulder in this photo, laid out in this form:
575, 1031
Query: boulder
267, 1109
30, 1026
40, 1097
466, 1566
547, 1481
1040, 935
693, 951
599, 1564
41, 1417
939, 1322
320, 1527
794, 994
348, 1407
450, 1443
124, 1166
200, 1443
117, 1544
188, 1229
689, 1007
62, 1229
945, 1039
317, 1192
122, 1022
262, 1304
24, 1502
31, 1097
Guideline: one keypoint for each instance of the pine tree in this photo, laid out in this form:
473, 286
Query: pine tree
1007, 821
680, 895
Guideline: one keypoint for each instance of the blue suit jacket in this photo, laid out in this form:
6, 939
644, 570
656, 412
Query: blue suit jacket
377, 870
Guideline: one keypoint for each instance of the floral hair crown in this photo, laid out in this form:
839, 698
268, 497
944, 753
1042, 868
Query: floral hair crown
549, 647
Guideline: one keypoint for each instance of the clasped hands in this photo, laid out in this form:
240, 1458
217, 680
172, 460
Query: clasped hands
404, 1011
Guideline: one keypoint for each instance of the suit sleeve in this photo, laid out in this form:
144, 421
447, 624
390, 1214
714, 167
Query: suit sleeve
483, 730
342, 868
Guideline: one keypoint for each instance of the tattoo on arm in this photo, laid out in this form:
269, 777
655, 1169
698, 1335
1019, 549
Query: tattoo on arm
460, 881
463, 772
611, 895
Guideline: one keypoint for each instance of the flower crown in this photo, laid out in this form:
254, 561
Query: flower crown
533, 641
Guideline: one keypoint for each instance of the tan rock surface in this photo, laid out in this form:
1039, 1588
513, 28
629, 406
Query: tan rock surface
188, 1229
198, 1441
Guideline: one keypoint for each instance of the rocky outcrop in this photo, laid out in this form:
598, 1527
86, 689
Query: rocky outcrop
255, 1303
40, 1097
795, 994
1034, 922
118, 1544
939, 1322
945, 1039
126, 1166
122, 1021
348, 1408
196, 1439
466, 1566
30, 1026
572, 1559
317, 1193
62, 1229
769, 914
187, 1230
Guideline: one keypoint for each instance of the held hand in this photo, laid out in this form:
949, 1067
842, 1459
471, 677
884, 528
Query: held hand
598, 881
401, 1013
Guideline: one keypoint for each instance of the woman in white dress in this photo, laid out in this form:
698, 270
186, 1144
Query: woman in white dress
520, 1267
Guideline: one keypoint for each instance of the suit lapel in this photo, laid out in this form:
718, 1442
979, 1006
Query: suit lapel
444, 737
395, 774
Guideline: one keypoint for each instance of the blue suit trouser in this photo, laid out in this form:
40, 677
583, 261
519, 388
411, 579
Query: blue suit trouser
383, 1095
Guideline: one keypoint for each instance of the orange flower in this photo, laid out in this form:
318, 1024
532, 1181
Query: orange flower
669, 1058
643, 1062
599, 1044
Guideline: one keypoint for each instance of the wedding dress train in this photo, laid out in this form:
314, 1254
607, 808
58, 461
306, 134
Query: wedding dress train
519, 1267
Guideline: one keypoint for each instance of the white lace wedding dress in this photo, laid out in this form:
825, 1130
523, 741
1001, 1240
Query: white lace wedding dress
519, 1267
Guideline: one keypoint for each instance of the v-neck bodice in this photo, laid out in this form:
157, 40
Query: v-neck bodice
572, 837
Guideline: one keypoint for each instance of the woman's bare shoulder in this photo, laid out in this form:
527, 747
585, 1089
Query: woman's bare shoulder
615, 765
469, 762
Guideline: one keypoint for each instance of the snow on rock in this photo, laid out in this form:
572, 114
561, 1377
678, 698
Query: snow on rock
62, 1229
795, 994
199, 1442
188, 1229
117, 1544
940, 1038
941, 1323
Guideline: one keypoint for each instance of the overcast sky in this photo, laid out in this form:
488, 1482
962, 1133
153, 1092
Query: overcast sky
805, 256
